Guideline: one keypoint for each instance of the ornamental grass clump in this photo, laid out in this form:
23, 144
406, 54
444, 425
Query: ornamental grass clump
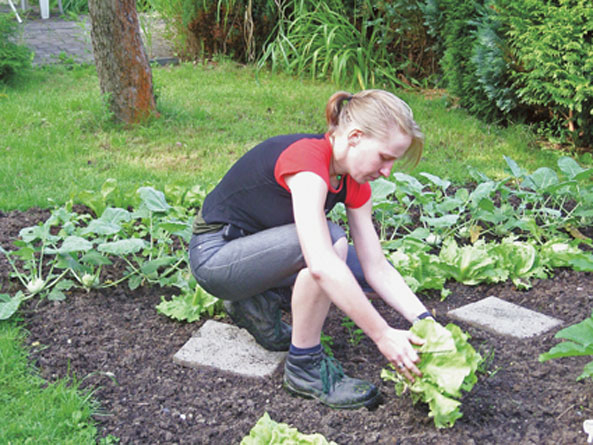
448, 364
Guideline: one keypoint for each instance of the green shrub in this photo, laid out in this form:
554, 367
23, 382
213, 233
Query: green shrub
492, 59
377, 44
411, 46
204, 28
14, 58
553, 43
527, 60
459, 35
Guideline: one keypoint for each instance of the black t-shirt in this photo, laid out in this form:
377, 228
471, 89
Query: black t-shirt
253, 195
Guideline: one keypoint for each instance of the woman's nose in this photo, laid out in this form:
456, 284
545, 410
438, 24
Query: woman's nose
386, 169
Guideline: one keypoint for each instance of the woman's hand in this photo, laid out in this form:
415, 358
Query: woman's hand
396, 346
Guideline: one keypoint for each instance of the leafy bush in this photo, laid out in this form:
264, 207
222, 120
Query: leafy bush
14, 58
322, 40
458, 35
71, 251
208, 27
553, 44
519, 228
525, 60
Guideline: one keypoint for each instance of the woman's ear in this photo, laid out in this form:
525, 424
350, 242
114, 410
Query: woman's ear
354, 136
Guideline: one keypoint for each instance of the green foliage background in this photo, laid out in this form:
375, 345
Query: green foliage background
14, 57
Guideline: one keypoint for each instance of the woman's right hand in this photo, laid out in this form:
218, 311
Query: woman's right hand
396, 346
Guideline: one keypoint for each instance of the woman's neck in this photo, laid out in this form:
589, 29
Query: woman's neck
335, 169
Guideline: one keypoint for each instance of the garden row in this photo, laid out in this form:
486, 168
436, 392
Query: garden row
518, 228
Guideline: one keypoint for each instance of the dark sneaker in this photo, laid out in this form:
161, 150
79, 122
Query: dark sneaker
285, 298
321, 377
260, 315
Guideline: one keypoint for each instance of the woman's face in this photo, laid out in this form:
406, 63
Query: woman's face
369, 158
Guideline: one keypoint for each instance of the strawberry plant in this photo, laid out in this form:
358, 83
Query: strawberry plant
448, 364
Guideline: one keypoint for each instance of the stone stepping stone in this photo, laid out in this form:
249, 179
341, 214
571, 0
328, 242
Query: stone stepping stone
504, 318
228, 348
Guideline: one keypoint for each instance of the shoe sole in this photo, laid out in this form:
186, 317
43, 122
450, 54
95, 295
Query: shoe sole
369, 403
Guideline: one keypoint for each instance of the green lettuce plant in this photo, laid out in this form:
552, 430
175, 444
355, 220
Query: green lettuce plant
267, 431
448, 364
579, 342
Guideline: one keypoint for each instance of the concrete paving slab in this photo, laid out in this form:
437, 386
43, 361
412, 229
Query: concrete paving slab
501, 317
228, 348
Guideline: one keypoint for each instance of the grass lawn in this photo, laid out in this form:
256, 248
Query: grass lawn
57, 141
31, 411
57, 138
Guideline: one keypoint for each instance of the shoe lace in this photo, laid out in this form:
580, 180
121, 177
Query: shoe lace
331, 372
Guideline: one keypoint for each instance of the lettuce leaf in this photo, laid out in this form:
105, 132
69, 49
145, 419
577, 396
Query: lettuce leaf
268, 432
448, 364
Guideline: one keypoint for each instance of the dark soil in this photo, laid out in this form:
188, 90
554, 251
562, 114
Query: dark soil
122, 348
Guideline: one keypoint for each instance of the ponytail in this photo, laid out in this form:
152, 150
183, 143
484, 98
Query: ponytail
335, 108
375, 112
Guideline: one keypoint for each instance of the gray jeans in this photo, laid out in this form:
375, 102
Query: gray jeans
247, 266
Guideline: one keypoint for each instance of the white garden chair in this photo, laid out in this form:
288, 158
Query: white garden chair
43, 6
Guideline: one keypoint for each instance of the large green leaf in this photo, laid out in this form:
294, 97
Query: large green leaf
581, 333
569, 166
122, 247
441, 222
514, 168
115, 215
101, 227
8, 305
443, 184
381, 189
72, 244
154, 200
566, 349
150, 267
579, 343
541, 179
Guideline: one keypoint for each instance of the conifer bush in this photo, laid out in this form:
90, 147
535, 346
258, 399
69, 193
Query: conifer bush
520, 60
14, 58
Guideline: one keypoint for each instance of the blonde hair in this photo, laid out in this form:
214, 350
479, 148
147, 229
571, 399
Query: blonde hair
375, 112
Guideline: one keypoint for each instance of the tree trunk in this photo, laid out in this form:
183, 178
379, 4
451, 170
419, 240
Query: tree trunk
122, 65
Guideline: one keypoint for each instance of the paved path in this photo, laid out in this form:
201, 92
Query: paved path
56, 39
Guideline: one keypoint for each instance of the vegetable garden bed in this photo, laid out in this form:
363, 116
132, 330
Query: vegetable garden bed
116, 341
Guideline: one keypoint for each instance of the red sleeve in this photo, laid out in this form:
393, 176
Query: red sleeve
357, 194
314, 155
311, 155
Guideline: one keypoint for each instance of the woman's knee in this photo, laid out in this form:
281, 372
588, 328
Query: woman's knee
341, 248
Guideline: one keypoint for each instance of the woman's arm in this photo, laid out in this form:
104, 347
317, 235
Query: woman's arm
335, 279
381, 276
329, 271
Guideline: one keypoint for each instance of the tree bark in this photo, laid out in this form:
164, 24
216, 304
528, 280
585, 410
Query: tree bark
124, 73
